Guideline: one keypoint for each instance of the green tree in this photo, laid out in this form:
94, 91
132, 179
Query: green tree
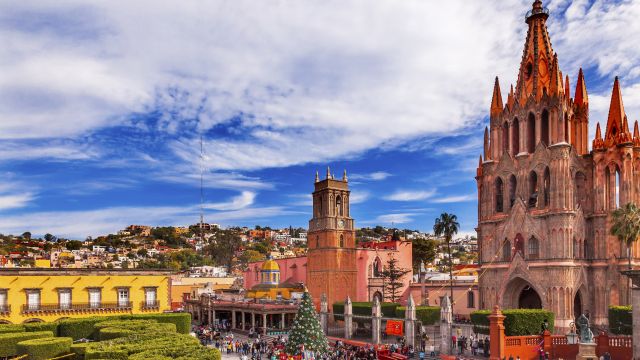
306, 330
626, 226
423, 250
447, 225
392, 276
49, 238
73, 245
26, 235
223, 251
142, 252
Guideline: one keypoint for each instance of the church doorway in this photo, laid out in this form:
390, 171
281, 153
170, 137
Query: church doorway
577, 305
529, 299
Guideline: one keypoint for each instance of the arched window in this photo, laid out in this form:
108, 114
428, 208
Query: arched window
531, 133
580, 189
576, 249
320, 206
317, 244
512, 190
341, 240
567, 138
471, 301
339, 205
377, 267
515, 131
505, 137
607, 188
547, 186
499, 195
533, 189
519, 245
506, 250
617, 195
533, 248
544, 128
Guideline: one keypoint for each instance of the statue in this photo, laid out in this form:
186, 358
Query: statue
586, 336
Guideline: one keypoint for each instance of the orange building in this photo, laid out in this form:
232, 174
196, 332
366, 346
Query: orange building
331, 266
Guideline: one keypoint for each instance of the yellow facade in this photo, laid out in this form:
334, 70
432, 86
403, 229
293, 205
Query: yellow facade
270, 287
50, 294
43, 263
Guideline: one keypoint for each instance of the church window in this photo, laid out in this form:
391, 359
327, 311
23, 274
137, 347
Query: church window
339, 205
580, 189
529, 70
471, 301
547, 185
499, 195
566, 128
575, 249
320, 205
607, 187
533, 248
505, 137
531, 133
533, 189
377, 267
617, 195
515, 130
506, 250
519, 245
512, 190
341, 240
544, 128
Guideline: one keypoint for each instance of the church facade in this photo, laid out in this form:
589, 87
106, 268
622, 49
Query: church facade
545, 199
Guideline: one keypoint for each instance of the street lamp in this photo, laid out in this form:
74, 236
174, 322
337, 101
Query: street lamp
572, 336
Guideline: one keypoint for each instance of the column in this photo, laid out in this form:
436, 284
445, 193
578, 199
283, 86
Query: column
233, 319
264, 324
376, 321
410, 322
496, 334
253, 321
635, 305
282, 319
324, 313
348, 319
446, 317
213, 316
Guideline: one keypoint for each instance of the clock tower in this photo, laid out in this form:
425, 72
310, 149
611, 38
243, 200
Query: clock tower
331, 241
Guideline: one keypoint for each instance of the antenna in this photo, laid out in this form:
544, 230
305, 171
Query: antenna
201, 191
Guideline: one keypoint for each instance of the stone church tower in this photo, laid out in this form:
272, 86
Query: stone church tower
331, 240
545, 199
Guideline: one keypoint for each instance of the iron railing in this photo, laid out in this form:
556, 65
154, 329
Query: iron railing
5, 309
31, 308
148, 304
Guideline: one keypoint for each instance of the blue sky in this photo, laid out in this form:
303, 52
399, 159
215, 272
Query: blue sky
102, 105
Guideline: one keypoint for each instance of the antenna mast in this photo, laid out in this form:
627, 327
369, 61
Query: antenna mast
201, 191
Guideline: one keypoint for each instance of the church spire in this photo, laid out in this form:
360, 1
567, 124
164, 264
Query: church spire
636, 134
567, 89
487, 153
581, 96
496, 100
616, 120
555, 86
598, 143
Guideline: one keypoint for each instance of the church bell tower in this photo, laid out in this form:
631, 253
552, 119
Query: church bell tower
331, 256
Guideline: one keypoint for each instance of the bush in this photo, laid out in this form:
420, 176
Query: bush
620, 320
11, 328
113, 354
83, 328
429, 315
178, 354
364, 308
182, 321
46, 348
517, 322
42, 326
79, 349
9, 341
113, 333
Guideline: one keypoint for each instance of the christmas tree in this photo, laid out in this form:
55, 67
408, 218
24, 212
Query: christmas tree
306, 332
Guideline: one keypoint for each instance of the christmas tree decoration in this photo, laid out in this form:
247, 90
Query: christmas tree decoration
306, 335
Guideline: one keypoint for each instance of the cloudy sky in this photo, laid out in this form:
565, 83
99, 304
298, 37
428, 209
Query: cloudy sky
102, 105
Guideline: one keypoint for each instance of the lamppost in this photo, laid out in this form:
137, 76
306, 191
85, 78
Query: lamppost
572, 336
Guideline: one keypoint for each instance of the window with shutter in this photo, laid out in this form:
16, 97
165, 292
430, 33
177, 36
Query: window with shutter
95, 298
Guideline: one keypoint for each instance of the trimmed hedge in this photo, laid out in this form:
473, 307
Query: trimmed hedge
517, 322
84, 328
42, 326
79, 349
46, 348
182, 321
11, 328
620, 320
9, 341
114, 333
364, 308
429, 315
112, 354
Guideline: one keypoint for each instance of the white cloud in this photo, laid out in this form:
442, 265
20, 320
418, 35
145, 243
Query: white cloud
241, 201
373, 176
399, 218
358, 197
455, 199
410, 195
15, 201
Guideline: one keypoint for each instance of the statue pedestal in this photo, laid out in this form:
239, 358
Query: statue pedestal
586, 351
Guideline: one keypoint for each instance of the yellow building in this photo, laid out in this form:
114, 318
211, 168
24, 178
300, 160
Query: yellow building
270, 287
28, 295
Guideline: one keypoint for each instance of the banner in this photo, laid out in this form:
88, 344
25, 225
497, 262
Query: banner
394, 327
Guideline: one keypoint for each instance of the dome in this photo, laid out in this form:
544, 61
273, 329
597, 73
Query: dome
270, 265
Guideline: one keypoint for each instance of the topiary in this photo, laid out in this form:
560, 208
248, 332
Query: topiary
46, 348
9, 341
620, 320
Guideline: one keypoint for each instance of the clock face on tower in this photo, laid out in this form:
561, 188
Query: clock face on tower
340, 224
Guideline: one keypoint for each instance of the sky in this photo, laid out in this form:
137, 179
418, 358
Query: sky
103, 105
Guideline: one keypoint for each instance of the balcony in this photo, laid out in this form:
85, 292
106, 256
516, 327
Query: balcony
150, 305
76, 307
5, 309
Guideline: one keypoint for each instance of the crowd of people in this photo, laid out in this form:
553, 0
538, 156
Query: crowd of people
476, 345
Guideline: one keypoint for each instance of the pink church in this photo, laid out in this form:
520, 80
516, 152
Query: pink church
371, 259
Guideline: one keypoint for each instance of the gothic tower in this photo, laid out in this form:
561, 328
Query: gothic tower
545, 200
331, 256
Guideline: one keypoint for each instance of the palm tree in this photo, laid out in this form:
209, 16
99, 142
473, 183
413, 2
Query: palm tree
447, 225
626, 225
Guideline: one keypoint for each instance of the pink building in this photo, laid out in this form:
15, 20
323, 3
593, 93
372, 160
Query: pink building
371, 259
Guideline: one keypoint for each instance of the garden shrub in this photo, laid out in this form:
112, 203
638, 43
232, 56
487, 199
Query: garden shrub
9, 341
517, 322
42, 326
46, 348
429, 315
82, 328
364, 308
620, 320
113, 354
11, 328
182, 321
113, 333
79, 349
